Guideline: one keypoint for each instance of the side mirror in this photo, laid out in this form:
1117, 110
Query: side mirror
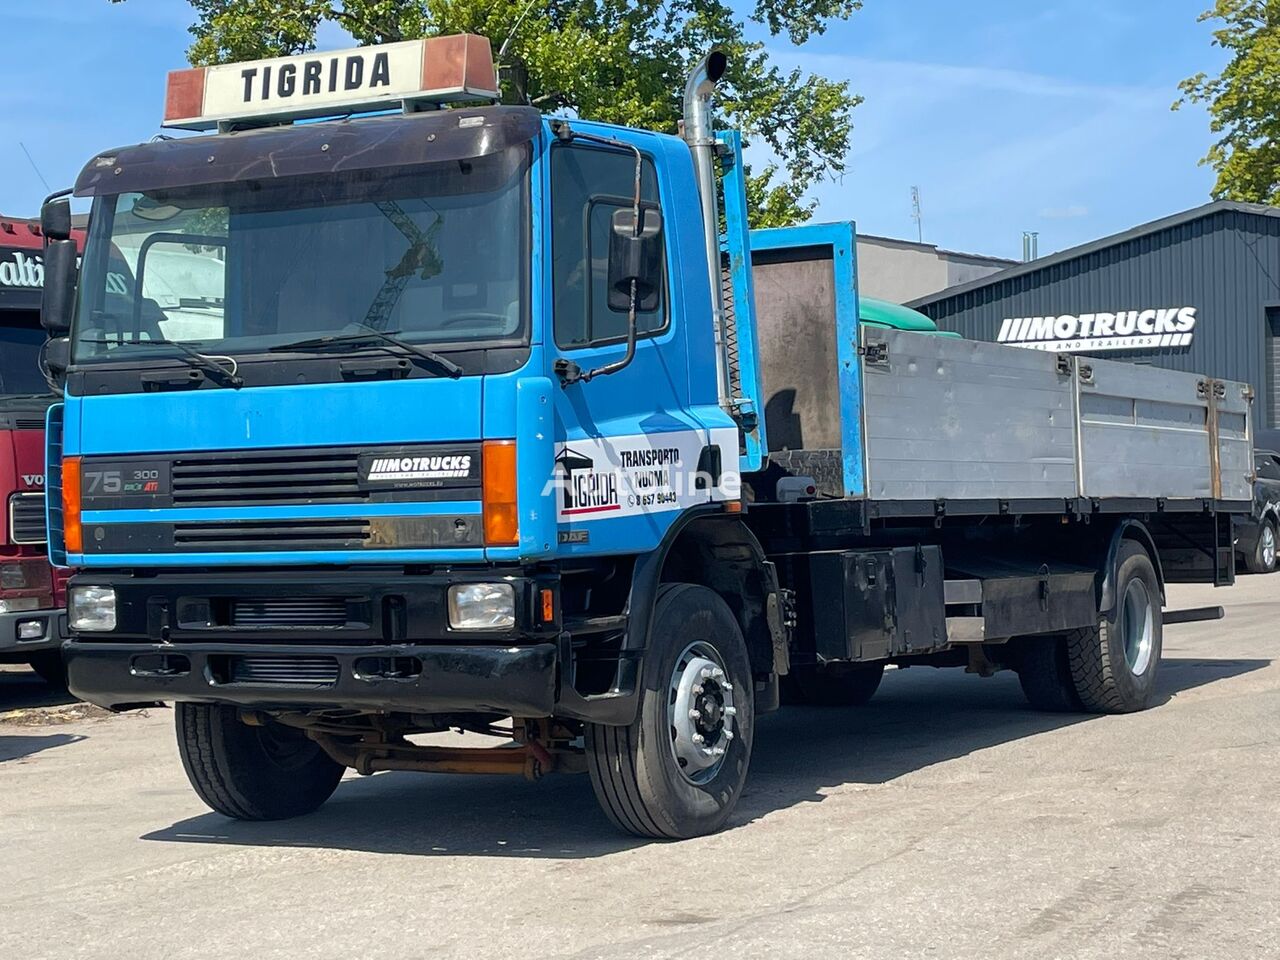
55, 219
635, 255
55, 358
59, 298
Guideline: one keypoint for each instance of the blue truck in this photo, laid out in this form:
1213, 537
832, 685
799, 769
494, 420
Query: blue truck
458, 416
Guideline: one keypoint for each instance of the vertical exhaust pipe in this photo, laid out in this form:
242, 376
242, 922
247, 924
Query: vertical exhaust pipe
700, 137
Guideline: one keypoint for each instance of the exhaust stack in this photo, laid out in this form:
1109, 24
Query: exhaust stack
700, 137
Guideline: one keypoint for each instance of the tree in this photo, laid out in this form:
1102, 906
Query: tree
1243, 101
611, 60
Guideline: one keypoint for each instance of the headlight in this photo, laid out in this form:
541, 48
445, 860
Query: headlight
92, 609
482, 606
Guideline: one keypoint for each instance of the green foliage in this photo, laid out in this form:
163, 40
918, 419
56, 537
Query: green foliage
1244, 101
610, 60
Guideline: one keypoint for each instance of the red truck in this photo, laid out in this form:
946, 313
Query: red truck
32, 592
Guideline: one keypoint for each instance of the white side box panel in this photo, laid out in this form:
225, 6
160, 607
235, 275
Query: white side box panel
1144, 432
960, 419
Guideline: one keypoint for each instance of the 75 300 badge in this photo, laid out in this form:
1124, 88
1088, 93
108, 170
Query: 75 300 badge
118, 483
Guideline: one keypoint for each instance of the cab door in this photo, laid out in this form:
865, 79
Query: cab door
627, 446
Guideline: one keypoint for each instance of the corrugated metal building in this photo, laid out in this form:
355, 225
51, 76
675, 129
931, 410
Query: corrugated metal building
1198, 291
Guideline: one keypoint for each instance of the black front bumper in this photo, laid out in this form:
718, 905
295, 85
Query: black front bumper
416, 678
180, 637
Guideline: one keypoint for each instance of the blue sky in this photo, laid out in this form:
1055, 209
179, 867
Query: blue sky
1009, 116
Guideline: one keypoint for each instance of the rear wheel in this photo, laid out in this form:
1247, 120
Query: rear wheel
1263, 557
1114, 664
1109, 667
677, 770
1045, 674
268, 772
835, 685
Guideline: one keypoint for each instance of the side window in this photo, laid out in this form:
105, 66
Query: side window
587, 185
1268, 466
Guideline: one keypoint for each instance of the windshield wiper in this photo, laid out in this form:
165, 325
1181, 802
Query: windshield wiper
368, 335
193, 358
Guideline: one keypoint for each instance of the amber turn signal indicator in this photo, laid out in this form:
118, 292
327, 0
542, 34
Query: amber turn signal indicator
501, 520
548, 605
72, 532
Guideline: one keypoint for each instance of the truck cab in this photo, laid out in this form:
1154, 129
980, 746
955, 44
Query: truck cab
32, 596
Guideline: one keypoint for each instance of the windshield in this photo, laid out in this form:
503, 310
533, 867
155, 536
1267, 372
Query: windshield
21, 338
435, 254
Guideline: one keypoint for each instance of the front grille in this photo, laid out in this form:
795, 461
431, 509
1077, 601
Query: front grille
311, 476
278, 671
230, 535
29, 423
289, 612
26, 518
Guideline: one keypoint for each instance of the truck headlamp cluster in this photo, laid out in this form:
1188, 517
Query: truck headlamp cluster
91, 609
482, 606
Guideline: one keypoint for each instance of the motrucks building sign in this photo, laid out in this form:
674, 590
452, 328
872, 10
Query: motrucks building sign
1197, 291
1146, 329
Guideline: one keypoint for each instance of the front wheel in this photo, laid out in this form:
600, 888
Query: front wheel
260, 772
677, 770
1263, 557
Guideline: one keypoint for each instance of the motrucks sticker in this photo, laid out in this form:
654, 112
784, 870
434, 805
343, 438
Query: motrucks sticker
418, 468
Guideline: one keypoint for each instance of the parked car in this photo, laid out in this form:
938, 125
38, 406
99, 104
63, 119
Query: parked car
1257, 536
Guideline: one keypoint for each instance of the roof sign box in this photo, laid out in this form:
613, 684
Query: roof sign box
430, 71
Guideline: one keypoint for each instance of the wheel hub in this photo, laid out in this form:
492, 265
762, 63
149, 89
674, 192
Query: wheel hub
700, 712
1268, 546
1137, 625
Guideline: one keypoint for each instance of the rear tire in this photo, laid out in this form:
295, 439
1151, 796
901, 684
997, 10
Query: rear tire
269, 772
1110, 667
843, 685
652, 778
1045, 674
1262, 559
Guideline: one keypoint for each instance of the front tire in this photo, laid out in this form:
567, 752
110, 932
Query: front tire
677, 770
268, 772
1263, 557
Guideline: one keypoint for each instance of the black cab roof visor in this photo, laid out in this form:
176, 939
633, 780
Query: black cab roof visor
304, 149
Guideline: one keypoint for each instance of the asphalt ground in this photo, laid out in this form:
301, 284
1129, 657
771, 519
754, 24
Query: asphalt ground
946, 819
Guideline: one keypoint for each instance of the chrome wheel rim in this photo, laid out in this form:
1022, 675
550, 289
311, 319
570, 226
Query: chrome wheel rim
700, 712
1137, 627
1268, 546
